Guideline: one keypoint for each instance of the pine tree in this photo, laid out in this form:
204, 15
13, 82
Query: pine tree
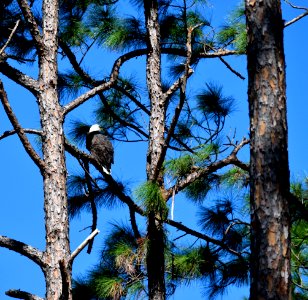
165, 35
269, 166
187, 150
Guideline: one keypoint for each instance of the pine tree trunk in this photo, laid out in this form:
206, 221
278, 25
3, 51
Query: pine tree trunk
57, 253
155, 230
269, 169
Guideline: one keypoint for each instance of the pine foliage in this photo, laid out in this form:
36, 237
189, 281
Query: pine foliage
234, 33
150, 196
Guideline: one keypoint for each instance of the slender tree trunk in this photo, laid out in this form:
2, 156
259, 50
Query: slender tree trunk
57, 253
269, 169
155, 230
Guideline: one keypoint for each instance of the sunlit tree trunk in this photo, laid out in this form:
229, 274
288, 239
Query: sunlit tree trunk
269, 169
57, 253
155, 229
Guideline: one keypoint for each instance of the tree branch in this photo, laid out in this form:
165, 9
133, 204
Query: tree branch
20, 132
76, 66
202, 236
106, 85
201, 172
133, 222
230, 68
24, 80
30, 252
6, 134
83, 244
286, 24
9, 38
122, 59
33, 27
22, 295
92, 202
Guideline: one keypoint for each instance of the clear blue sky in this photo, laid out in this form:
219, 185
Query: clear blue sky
21, 204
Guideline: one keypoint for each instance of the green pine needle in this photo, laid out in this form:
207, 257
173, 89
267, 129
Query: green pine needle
150, 196
198, 190
235, 176
235, 31
179, 167
109, 287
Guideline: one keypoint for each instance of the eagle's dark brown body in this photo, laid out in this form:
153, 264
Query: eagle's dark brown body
100, 148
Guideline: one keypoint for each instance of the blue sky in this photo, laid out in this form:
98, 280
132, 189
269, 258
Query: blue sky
21, 204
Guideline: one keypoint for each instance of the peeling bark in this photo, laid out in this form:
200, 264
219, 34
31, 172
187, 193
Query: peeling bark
269, 169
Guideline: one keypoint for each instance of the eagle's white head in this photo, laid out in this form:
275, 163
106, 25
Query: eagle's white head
94, 128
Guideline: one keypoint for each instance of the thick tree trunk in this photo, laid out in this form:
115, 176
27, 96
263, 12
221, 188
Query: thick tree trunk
269, 169
57, 253
155, 230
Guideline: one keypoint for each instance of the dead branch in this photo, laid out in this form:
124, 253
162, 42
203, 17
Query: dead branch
230, 68
8, 133
28, 251
298, 17
10, 37
20, 132
22, 295
83, 244
17, 76
91, 198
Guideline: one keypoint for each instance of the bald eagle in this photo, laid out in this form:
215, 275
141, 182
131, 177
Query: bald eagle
100, 147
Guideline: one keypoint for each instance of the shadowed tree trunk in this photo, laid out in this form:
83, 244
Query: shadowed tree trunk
269, 169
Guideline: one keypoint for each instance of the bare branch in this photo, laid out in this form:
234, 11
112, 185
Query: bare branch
9, 38
176, 85
132, 98
286, 24
17, 76
30, 252
6, 134
83, 244
298, 17
22, 295
106, 85
202, 236
230, 68
20, 132
92, 202
34, 30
